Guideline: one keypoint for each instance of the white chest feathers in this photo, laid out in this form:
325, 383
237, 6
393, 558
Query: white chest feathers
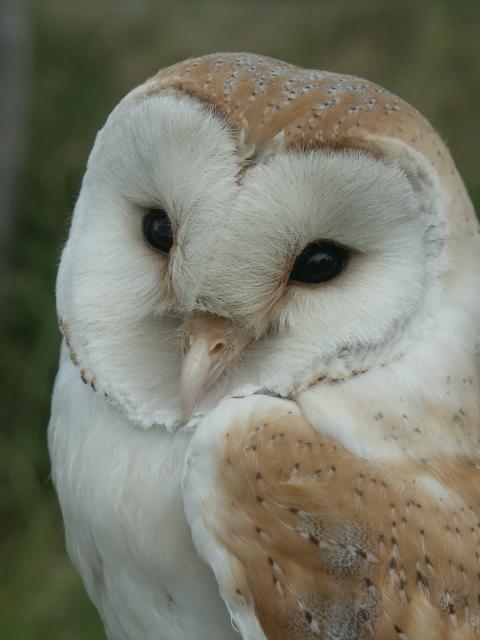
120, 493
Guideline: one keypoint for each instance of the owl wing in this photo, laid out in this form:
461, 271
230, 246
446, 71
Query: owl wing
307, 540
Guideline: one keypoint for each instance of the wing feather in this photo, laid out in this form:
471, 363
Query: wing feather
308, 541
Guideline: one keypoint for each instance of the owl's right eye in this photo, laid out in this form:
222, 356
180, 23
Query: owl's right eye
157, 230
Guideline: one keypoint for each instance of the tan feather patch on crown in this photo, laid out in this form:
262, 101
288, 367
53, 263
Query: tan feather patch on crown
261, 98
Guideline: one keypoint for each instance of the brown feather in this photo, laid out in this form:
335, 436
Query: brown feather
327, 544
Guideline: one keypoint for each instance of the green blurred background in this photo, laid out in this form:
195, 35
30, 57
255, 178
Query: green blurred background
74, 61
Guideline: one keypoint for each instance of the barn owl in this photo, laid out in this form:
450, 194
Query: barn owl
266, 419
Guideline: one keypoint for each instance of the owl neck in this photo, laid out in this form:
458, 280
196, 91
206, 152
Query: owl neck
423, 400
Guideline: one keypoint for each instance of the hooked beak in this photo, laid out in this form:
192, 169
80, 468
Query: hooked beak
210, 343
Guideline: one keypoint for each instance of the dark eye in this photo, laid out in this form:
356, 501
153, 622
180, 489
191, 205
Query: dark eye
319, 262
158, 230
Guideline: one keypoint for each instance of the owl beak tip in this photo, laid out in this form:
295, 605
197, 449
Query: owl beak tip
197, 375
210, 344
203, 364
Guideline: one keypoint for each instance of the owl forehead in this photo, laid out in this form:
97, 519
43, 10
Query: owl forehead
262, 97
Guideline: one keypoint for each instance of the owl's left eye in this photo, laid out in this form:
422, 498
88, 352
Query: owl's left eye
319, 262
158, 230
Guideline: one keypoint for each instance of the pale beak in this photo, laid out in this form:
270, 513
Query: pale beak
210, 343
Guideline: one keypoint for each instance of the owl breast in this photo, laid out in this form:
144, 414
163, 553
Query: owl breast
120, 493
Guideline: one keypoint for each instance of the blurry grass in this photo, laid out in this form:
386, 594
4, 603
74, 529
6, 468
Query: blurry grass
87, 55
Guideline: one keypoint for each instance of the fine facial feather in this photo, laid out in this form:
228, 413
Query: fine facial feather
184, 163
238, 269
181, 136
316, 542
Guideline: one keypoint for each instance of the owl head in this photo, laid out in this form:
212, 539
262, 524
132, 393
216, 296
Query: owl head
246, 225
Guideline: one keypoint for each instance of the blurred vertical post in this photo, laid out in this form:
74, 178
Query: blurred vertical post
14, 59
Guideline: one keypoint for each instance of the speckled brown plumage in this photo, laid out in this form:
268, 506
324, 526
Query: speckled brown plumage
325, 544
